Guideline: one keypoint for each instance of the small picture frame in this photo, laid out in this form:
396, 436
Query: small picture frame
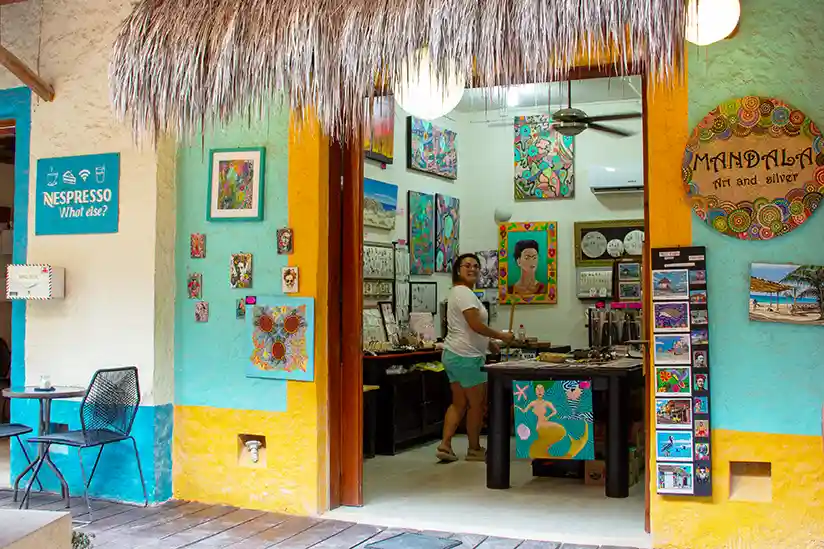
194, 286
236, 178
629, 291
285, 240
390, 324
197, 246
423, 297
290, 280
202, 311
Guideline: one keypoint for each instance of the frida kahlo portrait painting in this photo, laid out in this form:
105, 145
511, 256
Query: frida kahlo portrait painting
527, 269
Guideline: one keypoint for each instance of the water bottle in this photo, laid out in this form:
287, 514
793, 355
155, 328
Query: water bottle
521, 333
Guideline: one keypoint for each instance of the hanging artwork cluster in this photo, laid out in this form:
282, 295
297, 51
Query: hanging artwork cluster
554, 420
753, 168
682, 371
421, 228
543, 160
380, 204
447, 232
281, 330
527, 269
379, 136
431, 149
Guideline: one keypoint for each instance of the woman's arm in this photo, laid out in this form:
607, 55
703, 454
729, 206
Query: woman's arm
473, 318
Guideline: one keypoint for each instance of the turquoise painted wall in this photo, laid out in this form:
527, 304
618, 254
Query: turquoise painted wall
766, 377
211, 357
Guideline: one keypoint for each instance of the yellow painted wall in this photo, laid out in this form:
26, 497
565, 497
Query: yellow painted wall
794, 519
295, 478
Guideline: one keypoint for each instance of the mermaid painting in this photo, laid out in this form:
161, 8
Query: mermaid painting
563, 434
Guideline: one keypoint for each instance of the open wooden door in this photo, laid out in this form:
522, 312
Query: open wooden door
345, 349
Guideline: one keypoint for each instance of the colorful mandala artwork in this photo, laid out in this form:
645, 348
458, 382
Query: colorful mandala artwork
754, 168
543, 160
282, 334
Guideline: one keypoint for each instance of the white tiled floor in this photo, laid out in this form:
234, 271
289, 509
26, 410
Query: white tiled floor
411, 490
5, 474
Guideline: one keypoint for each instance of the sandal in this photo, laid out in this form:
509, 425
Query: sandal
476, 455
446, 456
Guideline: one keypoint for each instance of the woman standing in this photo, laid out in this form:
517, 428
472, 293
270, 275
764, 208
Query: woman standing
465, 347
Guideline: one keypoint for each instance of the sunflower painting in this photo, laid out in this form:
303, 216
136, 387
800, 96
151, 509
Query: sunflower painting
543, 160
282, 334
236, 185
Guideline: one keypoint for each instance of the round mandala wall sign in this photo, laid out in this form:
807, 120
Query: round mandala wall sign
754, 168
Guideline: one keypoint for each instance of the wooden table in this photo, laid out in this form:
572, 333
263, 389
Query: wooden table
616, 372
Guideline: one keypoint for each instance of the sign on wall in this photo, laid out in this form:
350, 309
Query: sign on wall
78, 194
754, 168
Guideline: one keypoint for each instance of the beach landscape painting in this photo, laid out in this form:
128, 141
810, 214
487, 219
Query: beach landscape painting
380, 204
786, 293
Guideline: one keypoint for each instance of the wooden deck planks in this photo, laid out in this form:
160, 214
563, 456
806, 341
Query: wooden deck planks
183, 525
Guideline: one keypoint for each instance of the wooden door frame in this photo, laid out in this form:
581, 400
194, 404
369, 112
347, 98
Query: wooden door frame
346, 288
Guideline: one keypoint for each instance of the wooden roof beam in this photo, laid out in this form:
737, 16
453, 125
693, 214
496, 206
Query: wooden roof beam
7, 2
25, 74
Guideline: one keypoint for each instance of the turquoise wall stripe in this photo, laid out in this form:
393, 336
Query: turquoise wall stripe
116, 477
766, 377
16, 104
211, 357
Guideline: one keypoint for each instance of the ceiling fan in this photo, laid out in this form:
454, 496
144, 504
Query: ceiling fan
571, 121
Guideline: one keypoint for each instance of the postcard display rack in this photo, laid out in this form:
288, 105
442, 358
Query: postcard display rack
682, 371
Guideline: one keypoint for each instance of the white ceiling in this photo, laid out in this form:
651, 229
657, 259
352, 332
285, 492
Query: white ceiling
593, 90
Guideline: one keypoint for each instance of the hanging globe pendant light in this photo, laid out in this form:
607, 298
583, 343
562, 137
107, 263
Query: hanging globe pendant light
423, 93
710, 21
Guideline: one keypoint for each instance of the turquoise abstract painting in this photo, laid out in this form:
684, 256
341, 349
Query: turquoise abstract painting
553, 419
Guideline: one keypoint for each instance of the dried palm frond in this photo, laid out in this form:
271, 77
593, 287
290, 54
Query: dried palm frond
178, 64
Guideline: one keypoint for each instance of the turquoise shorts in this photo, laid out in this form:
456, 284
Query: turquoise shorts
465, 370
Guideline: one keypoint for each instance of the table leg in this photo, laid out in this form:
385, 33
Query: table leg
617, 481
45, 428
497, 456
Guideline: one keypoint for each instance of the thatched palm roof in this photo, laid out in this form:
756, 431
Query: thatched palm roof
763, 286
179, 63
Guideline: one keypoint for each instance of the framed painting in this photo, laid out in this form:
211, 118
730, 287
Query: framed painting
527, 262
601, 243
782, 293
282, 337
447, 232
379, 136
421, 228
236, 179
380, 204
423, 297
431, 149
543, 160
488, 277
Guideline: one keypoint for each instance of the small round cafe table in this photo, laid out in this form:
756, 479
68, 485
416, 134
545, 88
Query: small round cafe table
45, 399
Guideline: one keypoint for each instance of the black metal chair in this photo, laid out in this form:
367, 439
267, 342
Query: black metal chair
13, 431
107, 413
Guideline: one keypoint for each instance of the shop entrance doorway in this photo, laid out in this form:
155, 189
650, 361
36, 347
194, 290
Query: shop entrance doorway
346, 395
7, 170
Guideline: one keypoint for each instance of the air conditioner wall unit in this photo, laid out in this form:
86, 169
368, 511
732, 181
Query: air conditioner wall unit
615, 179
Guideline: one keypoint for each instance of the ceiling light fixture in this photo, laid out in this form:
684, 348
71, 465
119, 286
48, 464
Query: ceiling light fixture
425, 94
710, 21
512, 97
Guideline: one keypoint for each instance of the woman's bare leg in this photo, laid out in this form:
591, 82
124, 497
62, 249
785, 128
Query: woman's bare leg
476, 396
454, 415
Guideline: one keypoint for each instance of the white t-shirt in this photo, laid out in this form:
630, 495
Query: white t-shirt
461, 339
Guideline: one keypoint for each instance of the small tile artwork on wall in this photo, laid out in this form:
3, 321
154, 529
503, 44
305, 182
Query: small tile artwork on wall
682, 371
281, 332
